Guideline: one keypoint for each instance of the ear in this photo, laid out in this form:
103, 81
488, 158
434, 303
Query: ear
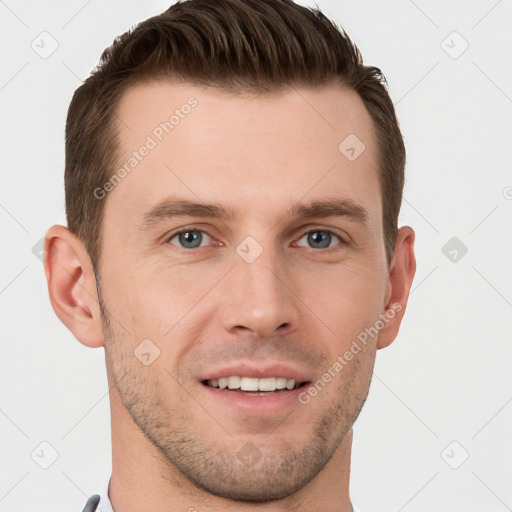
72, 285
401, 275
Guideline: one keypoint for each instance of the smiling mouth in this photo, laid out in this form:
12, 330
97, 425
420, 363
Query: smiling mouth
254, 386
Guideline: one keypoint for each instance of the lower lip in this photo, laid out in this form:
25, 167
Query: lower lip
262, 405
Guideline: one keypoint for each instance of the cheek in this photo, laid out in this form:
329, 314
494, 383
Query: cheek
169, 306
347, 299
145, 295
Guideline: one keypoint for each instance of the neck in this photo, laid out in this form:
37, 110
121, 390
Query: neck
144, 480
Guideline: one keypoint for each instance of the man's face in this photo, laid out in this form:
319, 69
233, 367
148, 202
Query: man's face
267, 292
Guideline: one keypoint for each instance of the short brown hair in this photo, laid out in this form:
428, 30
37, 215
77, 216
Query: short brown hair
251, 46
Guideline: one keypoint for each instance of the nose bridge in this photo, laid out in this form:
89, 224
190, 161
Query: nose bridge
260, 290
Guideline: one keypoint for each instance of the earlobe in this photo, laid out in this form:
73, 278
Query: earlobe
401, 276
72, 285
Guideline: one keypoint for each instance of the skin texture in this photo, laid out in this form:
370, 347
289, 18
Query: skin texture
297, 303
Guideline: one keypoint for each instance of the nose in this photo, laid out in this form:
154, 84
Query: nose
259, 297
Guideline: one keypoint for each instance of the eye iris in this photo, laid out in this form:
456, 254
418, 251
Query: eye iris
190, 237
316, 237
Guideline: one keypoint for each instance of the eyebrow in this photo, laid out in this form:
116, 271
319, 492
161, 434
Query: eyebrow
173, 207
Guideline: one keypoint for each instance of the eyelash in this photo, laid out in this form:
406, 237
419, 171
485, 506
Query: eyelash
309, 230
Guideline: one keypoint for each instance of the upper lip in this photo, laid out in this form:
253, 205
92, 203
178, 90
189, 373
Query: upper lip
260, 372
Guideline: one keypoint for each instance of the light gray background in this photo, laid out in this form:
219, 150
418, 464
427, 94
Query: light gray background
445, 379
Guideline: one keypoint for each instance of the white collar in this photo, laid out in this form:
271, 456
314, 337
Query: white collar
105, 505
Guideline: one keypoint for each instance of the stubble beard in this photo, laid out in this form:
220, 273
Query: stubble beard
217, 467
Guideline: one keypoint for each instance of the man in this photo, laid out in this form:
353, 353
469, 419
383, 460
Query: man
233, 178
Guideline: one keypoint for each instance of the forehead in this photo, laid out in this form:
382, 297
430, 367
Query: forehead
204, 144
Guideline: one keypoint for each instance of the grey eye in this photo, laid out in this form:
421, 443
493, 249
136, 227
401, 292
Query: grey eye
190, 239
319, 239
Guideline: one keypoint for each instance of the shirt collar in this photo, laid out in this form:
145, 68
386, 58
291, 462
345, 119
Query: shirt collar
105, 505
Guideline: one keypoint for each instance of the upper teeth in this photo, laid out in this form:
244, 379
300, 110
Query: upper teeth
252, 383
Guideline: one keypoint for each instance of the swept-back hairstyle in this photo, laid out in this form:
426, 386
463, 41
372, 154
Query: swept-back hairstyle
239, 46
